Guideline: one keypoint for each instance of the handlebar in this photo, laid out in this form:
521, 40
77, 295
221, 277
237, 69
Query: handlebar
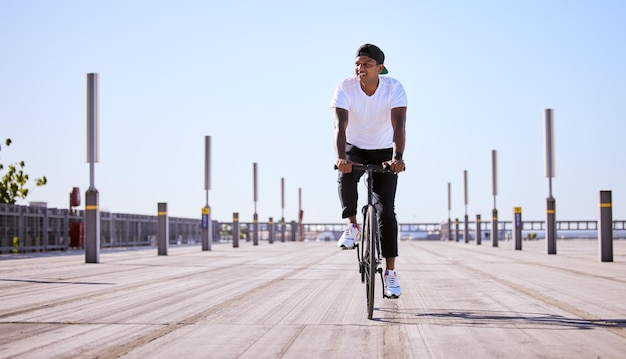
371, 168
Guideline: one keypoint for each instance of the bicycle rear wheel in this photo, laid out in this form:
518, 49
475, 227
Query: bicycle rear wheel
369, 257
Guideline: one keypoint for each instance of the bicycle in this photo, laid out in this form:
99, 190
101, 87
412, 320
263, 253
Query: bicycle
368, 250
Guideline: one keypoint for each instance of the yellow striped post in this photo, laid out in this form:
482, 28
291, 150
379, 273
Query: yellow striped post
605, 230
162, 229
494, 228
551, 225
235, 230
206, 228
270, 230
92, 227
517, 230
478, 232
255, 229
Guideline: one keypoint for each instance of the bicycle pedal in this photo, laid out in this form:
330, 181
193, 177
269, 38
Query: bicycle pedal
348, 249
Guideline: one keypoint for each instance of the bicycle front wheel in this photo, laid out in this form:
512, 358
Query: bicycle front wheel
371, 263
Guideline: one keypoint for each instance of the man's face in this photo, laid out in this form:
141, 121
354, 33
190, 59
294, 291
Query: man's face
366, 68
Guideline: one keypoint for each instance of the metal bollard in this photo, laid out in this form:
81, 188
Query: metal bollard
92, 227
255, 229
466, 229
605, 233
283, 229
163, 233
235, 230
270, 229
551, 225
478, 234
517, 231
207, 233
294, 231
494, 228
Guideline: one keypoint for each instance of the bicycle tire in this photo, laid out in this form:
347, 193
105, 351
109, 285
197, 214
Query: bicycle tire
371, 267
360, 253
365, 256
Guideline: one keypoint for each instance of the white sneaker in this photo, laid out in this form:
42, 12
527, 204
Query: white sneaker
349, 236
392, 288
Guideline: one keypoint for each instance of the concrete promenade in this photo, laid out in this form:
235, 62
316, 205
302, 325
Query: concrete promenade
305, 300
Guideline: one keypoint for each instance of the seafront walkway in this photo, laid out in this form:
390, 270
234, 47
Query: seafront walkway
305, 300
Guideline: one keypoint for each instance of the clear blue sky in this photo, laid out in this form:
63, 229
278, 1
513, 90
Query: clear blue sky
257, 76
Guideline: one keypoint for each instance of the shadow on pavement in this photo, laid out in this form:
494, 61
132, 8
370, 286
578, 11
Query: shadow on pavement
490, 319
51, 282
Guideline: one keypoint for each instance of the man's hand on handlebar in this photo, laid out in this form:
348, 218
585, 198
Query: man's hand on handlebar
395, 165
345, 166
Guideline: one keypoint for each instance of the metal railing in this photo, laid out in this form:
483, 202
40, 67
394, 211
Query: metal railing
565, 229
35, 229
26, 229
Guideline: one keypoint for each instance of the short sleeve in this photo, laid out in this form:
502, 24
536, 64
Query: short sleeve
340, 98
398, 96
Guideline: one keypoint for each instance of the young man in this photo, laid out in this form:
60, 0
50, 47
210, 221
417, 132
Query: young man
370, 117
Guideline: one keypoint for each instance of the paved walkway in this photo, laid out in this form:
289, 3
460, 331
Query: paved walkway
305, 300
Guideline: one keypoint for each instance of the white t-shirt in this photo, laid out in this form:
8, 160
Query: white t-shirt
369, 117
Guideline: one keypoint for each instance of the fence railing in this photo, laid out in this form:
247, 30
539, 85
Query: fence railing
25, 229
35, 229
532, 229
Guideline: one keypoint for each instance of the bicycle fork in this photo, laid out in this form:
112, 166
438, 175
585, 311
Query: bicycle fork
363, 264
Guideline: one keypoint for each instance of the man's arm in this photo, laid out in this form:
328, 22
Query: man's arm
341, 123
398, 122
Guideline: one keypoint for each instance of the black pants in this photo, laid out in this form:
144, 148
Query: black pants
384, 193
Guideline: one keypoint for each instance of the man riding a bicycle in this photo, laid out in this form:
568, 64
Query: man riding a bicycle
370, 117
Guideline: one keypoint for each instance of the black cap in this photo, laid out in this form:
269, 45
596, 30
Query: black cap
373, 52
